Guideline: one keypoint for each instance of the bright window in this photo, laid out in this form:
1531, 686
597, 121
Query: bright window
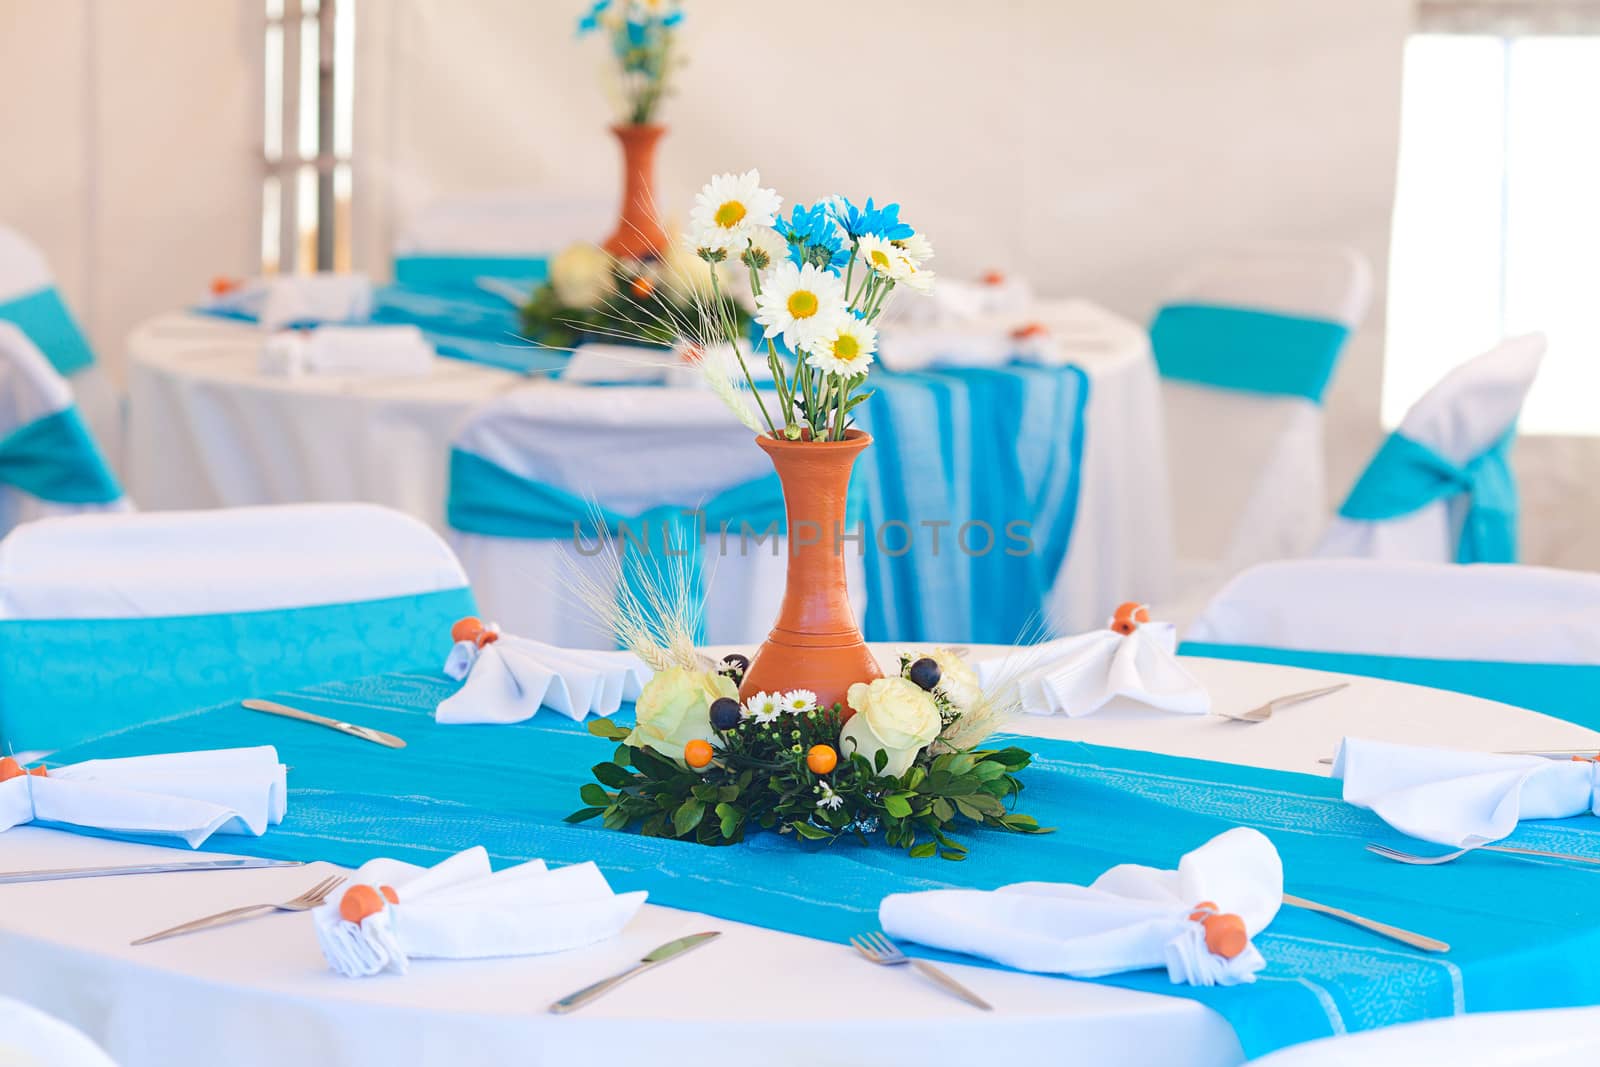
1497, 218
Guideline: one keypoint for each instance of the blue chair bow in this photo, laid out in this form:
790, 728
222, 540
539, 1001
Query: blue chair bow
1247, 350
43, 316
55, 459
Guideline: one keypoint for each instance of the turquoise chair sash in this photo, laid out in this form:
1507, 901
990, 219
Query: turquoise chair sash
69, 680
1406, 476
661, 547
55, 459
44, 317
1563, 690
1247, 350
440, 271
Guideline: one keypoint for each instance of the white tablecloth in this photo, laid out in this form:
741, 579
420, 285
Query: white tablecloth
207, 430
259, 994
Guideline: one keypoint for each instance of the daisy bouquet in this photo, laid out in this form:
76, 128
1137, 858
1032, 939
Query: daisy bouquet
821, 279
642, 34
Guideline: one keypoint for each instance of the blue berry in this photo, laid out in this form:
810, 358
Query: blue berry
725, 713
924, 672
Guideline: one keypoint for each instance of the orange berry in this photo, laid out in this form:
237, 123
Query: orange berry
822, 759
221, 285
1226, 935
9, 769
466, 629
994, 277
643, 287
1027, 330
360, 901
697, 753
389, 894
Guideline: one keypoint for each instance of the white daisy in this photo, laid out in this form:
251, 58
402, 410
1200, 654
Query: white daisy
728, 208
764, 707
766, 248
916, 279
799, 702
917, 248
882, 257
829, 799
848, 351
804, 304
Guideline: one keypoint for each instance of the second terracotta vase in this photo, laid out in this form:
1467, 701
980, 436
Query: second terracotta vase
815, 643
639, 234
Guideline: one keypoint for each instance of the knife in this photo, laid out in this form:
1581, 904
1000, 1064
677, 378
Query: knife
366, 733
62, 873
1542, 753
661, 955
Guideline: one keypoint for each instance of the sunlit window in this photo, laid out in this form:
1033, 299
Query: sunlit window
309, 64
1497, 217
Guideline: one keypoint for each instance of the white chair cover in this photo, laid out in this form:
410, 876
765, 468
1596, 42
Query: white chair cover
1460, 419
1257, 491
30, 1038
649, 448
24, 273
31, 390
1553, 1038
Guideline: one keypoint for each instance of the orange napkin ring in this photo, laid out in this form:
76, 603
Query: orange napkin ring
1129, 617
1029, 330
222, 285
994, 277
1225, 932
473, 629
10, 768
360, 901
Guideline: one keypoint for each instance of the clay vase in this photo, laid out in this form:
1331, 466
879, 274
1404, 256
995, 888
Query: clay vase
815, 643
639, 234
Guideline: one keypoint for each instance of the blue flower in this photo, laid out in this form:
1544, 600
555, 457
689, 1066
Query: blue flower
814, 237
591, 22
673, 18
875, 221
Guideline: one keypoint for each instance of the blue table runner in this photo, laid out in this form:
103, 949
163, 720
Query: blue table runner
1525, 933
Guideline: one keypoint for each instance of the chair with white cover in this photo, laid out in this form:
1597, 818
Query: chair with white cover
454, 241
536, 476
1441, 487
1247, 342
107, 621
30, 1038
49, 463
30, 300
1528, 636
1554, 1037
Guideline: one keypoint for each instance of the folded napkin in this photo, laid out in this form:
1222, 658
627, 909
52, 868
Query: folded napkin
299, 299
386, 350
1462, 799
1080, 675
460, 910
188, 795
510, 679
1130, 918
954, 301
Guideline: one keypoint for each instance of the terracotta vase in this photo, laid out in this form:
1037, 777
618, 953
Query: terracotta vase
639, 234
815, 643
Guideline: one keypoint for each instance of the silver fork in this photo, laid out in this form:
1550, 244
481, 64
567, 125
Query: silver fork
1264, 712
1433, 861
879, 949
311, 898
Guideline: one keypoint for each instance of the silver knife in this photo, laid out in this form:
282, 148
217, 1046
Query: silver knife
366, 733
661, 955
62, 873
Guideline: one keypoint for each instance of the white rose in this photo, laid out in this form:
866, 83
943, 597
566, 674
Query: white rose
957, 679
582, 275
892, 715
675, 708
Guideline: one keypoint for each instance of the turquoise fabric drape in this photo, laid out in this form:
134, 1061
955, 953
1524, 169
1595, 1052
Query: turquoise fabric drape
43, 316
1245, 349
443, 271
1569, 691
1406, 476
55, 459
661, 548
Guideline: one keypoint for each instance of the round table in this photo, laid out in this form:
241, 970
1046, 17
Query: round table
207, 429
260, 994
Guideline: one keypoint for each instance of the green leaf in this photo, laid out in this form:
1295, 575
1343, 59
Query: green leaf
609, 730
880, 760
584, 814
616, 818
594, 794
897, 805
950, 854
728, 818
688, 816
612, 775
914, 777
961, 763
924, 850
943, 810
809, 832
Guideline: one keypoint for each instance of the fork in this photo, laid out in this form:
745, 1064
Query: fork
879, 949
311, 898
1264, 712
1432, 861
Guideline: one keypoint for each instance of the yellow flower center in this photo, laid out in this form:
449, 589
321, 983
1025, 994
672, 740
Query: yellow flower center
802, 304
879, 259
846, 348
729, 214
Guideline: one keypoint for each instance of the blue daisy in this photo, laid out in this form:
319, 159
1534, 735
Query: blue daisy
871, 220
591, 22
814, 237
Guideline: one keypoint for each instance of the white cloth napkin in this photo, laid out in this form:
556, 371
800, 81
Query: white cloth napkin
1462, 799
1079, 675
460, 910
1130, 918
353, 350
187, 795
279, 301
510, 679
954, 301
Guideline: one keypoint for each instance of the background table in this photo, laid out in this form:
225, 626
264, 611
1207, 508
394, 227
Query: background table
260, 993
